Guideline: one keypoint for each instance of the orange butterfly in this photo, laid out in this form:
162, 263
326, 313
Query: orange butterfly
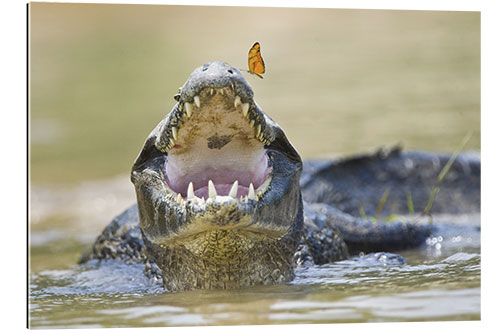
255, 62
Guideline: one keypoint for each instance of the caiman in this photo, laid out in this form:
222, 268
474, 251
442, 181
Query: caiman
224, 200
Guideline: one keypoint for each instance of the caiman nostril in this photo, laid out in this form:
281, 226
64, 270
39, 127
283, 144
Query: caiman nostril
230, 71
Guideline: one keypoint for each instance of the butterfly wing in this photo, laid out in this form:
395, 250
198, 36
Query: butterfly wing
255, 61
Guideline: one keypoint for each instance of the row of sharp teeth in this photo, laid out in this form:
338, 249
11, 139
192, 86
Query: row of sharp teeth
212, 194
259, 134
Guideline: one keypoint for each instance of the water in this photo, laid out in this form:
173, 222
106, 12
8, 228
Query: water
439, 281
118, 295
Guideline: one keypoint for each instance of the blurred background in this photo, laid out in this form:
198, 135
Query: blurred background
337, 81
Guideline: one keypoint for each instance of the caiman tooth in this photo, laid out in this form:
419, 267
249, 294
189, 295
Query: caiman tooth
237, 101
197, 100
257, 131
179, 198
212, 91
189, 109
212, 192
244, 109
262, 188
221, 91
234, 189
251, 192
190, 192
172, 142
252, 122
202, 200
174, 132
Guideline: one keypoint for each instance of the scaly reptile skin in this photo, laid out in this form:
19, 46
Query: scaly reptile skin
193, 234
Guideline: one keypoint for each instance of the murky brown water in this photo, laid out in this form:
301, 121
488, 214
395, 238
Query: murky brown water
337, 81
117, 295
441, 281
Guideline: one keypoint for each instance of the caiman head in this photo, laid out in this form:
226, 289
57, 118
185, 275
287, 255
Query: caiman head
217, 186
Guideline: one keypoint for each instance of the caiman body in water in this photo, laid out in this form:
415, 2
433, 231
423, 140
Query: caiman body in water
219, 195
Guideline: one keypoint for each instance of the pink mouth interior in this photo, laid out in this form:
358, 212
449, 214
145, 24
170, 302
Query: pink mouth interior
222, 175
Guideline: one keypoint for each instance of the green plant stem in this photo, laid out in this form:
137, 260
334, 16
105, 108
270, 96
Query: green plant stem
442, 174
381, 203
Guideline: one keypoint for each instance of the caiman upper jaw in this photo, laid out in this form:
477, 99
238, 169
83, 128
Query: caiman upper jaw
248, 108
209, 80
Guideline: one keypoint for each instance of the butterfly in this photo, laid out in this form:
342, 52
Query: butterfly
255, 62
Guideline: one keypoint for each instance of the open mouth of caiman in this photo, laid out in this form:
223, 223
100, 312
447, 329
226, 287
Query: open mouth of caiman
217, 152
217, 186
216, 162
